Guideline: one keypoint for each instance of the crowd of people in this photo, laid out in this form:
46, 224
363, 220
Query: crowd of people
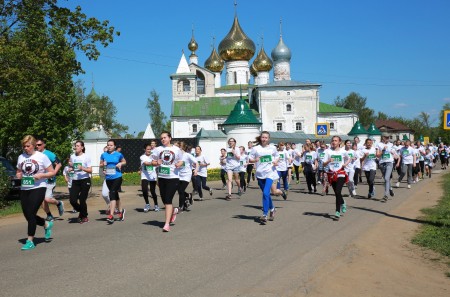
172, 166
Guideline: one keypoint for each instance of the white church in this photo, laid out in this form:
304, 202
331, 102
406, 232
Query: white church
201, 104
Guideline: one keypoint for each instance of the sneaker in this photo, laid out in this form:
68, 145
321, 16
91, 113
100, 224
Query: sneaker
263, 220
110, 219
344, 208
210, 192
397, 185
337, 215
391, 192
84, 220
174, 215
228, 197
239, 192
166, 228
354, 193
122, 215
283, 194
74, 211
384, 199
319, 183
50, 218
409, 187
48, 230
60, 208
191, 200
272, 214
315, 190
116, 211
29, 245
156, 208
147, 208
224, 187
297, 181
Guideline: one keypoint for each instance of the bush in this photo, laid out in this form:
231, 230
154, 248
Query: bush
5, 186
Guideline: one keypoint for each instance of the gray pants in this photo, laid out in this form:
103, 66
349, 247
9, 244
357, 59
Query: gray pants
386, 170
406, 168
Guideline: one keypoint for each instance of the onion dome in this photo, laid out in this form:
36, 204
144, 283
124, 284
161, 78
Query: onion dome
253, 70
214, 62
262, 61
193, 45
281, 52
241, 115
236, 46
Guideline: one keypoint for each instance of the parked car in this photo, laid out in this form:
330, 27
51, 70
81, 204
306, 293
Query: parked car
15, 182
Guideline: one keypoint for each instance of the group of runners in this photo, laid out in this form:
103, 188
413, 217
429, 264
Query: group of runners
173, 166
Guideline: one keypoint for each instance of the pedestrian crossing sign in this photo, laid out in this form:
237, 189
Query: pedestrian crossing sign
447, 119
322, 129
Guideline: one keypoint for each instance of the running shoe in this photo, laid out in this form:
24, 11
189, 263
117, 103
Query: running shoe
272, 214
156, 208
283, 194
344, 208
354, 193
60, 208
263, 220
191, 200
239, 192
74, 211
50, 218
297, 181
337, 215
224, 187
391, 192
110, 219
210, 191
84, 220
228, 197
29, 245
315, 190
116, 211
397, 184
174, 215
147, 208
319, 183
384, 199
409, 187
166, 228
48, 230
122, 215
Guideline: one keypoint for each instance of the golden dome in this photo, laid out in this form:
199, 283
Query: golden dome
262, 61
192, 46
236, 46
214, 62
253, 70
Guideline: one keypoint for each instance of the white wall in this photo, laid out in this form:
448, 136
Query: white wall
343, 123
182, 128
211, 149
94, 149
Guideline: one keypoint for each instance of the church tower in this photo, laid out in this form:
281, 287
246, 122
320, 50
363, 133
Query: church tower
193, 46
261, 66
281, 56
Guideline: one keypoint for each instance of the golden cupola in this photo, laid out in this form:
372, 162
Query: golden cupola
236, 46
214, 62
193, 45
262, 62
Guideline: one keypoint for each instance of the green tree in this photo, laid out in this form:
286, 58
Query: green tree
382, 116
157, 116
38, 44
357, 103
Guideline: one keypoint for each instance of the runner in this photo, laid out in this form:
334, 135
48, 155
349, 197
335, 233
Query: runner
282, 167
369, 165
33, 168
188, 168
169, 158
350, 168
386, 154
359, 147
428, 162
296, 156
266, 158
290, 153
250, 166
337, 160
148, 177
80, 164
321, 158
202, 173
408, 162
243, 162
68, 178
442, 152
51, 183
111, 163
233, 166
223, 167
310, 167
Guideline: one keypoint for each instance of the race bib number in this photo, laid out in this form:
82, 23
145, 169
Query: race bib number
322, 155
164, 170
149, 168
405, 153
336, 158
281, 156
77, 166
308, 158
230, 155
71, 174
110, 170
350, 155
386, 156
241, 162
265, 159
371, 156
27, 181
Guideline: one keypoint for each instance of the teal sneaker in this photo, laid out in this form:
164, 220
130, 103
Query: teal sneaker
48, 230
29, 245
344, 208
337, 215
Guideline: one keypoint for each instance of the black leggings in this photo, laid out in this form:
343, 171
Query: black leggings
337, 188
114, 186
80, 192
144, 187
223, 175
250, 172
200, 183
182, 195
370, 176
310, 177
356, 177
296, 168
167, 189
242, 179
31, 201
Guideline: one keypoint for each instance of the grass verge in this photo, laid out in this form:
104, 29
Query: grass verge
435, 232
10, 207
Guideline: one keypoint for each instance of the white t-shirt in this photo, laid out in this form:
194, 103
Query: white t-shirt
296, 156
337, 158
189, 162
202, 167
387, 152
82, 160
429, 159
407, 154
69, 175
170, 156
369, 162
148, 172
243, 163
31, 165
264, 167
283, 161
291, 157
233, 158
351, 165
223, 162
310, 157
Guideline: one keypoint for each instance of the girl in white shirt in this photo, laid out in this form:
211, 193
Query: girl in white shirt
310, 166
350, 168
189, 162
233, 166
282, 167
148, 177
202, 173
243, 163
369, 165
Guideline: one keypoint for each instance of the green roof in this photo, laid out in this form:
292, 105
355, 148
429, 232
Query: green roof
210, 134
234, 87
206, 106
373, 130
328, 108
357, 129
241, 115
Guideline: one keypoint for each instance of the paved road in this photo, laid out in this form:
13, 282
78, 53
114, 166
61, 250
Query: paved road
216, 249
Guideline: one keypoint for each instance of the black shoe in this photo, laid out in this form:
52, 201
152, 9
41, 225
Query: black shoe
385, 199
391, 192
283, 194
191, 201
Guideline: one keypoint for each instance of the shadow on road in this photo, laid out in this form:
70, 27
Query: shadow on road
245, 217
319, 214
154, 223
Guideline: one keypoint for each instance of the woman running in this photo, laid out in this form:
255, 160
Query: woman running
243, 162
350, 168
202, 173
296, 161
188, 169
233, 166
321, 158
282, 167
33, 169
111, 162
408, 162
148, 177
223, 167
250, 166
266, 158
428, 162
369, 165
310, 167
169, 158
81, 181
290, 153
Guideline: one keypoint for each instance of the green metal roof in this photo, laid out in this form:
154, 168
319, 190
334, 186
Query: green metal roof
372, 130
206, 107
234, 87
357, 129
241, 115
210, 134
328, 108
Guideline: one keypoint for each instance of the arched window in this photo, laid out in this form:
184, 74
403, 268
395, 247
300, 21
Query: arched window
194, 128
279, 127
288, 107
298, 126
186, 86
331, 126
200, 83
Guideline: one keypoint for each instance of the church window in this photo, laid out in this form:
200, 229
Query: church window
186, 86
288, 107
331, 126
279, 127
200, 83
194, 128
298, 126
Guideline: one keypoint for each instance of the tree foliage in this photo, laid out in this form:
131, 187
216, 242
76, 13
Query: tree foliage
157, 116
357, 103
38, 44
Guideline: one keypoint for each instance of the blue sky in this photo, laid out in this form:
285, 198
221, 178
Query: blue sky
394, 53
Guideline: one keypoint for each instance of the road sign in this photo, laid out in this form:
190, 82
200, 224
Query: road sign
322, 129
447, 119
426, 140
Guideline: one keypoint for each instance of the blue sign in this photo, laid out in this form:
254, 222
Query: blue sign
322, 129
447, 119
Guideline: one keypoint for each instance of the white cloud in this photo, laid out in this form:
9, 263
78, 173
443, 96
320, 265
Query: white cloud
400, 105
446, 99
